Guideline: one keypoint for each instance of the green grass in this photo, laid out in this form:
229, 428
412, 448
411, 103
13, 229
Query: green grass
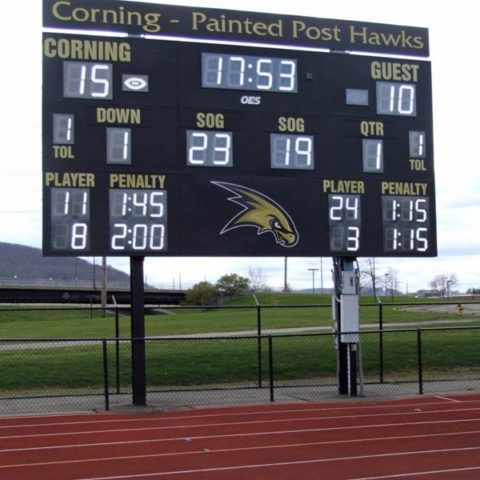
276, 312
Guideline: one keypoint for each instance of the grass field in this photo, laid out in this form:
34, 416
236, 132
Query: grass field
278, 311
173, 362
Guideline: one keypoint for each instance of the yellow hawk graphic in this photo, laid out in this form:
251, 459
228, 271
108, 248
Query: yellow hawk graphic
261, 212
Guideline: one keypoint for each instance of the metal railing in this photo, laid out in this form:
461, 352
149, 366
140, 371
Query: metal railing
63, 373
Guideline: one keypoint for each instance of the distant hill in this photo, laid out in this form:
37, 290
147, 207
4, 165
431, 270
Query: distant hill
20, 264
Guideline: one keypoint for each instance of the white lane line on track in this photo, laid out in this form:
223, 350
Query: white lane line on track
417, 474
219, 451
448, 399
252, 422
283, 464
254, 434
163, 417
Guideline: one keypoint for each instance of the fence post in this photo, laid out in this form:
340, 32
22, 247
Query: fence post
259, 344
117, 349
105, 375
420, 362
270, 367
380, 346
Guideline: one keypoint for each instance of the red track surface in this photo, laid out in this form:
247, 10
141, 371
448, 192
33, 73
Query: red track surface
420, 438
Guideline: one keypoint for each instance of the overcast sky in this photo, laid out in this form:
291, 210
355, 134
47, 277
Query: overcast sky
456, 105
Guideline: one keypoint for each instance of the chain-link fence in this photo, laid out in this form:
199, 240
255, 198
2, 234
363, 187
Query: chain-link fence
77, 359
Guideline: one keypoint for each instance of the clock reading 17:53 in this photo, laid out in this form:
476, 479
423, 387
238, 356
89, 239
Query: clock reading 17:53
138, 220
248, 72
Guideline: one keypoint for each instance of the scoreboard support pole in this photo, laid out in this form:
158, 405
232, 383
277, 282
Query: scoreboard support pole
345, 307
137, 291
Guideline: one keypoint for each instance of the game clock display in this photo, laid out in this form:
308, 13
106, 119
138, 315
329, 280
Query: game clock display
155, 147
247, 72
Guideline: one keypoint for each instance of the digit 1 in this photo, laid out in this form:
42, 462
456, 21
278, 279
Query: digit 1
410, 210
61, 202
83, 77
124, 203
119, 145
391, 242
80, 202
218, 69
126, 142
421, 144
394, 210
417, 144
412, 239
391, 106
288, 142
63, 128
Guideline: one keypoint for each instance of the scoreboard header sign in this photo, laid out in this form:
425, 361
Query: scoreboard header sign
155, 147
233, 25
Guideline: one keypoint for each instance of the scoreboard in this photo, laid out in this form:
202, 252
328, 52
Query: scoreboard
167, 147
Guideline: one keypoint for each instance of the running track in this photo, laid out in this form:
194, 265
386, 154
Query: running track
420, 438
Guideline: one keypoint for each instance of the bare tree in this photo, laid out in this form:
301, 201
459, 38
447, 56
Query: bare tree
444, 283
257, 279
368, 275
391, 281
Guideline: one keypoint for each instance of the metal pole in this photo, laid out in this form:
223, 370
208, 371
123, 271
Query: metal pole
420, 361
103, 294
105, 375
139, 389
259, 343
380, 323
321, 275
117, 349
270, 368
313, 270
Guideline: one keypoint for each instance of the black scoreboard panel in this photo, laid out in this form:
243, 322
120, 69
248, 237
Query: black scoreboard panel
187, 149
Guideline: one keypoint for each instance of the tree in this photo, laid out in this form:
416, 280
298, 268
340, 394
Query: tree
368, 275
444, 283
391, 281
202, 293
257, 279
232, 285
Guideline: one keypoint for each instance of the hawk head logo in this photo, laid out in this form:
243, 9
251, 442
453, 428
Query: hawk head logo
260, 212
